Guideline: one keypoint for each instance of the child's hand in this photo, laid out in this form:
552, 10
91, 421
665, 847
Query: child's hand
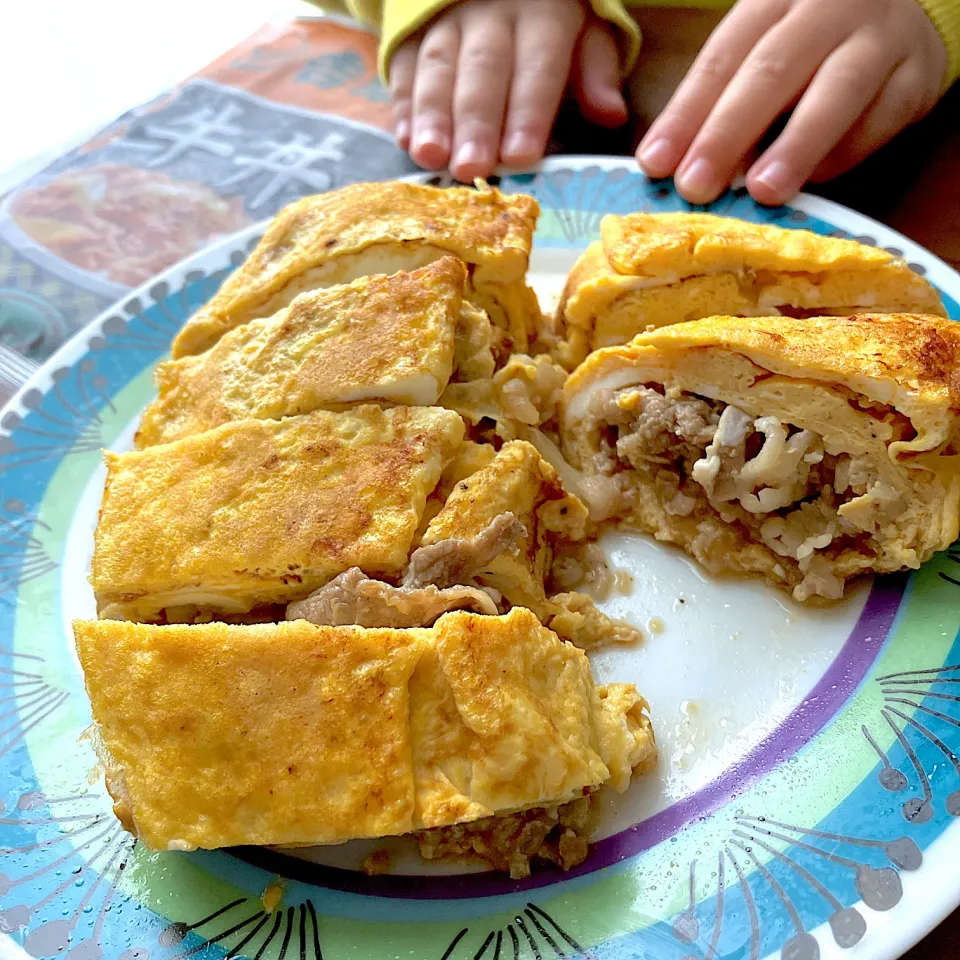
855, 72
482, 83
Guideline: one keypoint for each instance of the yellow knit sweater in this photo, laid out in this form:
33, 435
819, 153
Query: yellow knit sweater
397, 19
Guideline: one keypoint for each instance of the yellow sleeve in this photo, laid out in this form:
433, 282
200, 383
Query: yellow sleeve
945, 15
397, 19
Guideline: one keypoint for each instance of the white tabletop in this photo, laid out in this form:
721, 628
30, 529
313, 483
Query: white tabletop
68, 67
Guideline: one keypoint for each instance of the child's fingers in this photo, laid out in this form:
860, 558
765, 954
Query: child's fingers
768, 81
596, 76
432, 125
905, 99
545, 37
673, 131
480, 94
403, 67
842, 89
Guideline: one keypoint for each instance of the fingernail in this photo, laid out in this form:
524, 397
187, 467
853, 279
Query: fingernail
468, 153
698, 179
521, 146
776, 177
432, 140
656, 157
402, 131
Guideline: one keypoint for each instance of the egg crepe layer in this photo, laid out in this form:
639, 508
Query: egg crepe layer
265, 511
658, 269
808, 451
373, 228
491, 532
217, 735
380, 338
408, 338
520, 483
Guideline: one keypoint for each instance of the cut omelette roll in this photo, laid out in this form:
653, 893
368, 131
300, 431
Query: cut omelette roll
662, 268
398, 339
495, 531
808, 451
265, 511
490, 546
501, 528
372, 228
216, 735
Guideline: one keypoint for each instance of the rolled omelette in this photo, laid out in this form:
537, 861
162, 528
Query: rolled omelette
217, 735
408, 338
380, 228
396, 339
259, 512
653, 269
804, 450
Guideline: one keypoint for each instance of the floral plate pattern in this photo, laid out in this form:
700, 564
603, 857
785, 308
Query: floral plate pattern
832, 834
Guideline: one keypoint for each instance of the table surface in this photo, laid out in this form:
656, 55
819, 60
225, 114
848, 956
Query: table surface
85, 63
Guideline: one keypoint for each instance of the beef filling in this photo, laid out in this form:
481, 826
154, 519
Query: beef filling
559, 834
770, 478
355, 598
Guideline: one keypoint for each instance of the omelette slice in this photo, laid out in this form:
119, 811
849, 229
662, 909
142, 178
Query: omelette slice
217, 735
519, 482
264, 511
500, 529
372, 228
805, 450
378, 338
662, 268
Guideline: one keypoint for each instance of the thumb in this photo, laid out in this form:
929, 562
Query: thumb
595, 79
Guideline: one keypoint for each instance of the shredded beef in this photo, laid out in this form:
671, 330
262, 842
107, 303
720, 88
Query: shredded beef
772, 479
559, 834
355, 598
457, 560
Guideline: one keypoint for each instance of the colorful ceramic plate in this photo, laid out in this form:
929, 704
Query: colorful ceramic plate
806, 800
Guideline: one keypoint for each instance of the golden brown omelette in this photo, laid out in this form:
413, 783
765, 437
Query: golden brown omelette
805, 450
391, 339
520, 484
216, 735
265, 511
654, 269
517, 481
374, 228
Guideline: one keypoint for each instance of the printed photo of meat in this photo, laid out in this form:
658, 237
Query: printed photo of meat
124, 224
